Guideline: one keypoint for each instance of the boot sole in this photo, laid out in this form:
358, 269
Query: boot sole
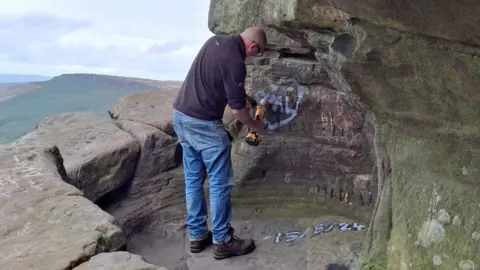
249, 249
197, 250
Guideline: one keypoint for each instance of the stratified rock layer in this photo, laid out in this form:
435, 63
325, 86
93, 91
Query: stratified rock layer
411, 70
318, 135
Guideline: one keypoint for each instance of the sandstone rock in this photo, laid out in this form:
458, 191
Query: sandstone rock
421, 125
46, 223
227, 16
152, 108
159, 201
316, 132
117, 261
417, 75
159, 152
98, 156
299, 250
299, 161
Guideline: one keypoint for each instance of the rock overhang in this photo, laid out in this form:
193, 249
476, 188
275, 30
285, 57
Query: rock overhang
423, 17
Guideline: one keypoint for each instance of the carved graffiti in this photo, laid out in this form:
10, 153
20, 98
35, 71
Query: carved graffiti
293, 236
326, 113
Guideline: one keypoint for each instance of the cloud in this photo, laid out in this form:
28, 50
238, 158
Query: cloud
154, 39
50, 25
23, 35
166, 47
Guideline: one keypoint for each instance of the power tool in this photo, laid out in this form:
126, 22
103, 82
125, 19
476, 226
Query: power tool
252, 137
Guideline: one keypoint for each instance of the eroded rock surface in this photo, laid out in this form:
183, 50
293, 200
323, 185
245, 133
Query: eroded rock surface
45, 223
314, 136
308, 245
159, 202
297, 242
122, 165
153, 108
154, 195
159, 153
117, 261
410, 78
98, 156
318, 133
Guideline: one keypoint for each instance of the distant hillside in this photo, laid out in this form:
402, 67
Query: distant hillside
5, 85
11, 90
66, 93
22, 78
12, 85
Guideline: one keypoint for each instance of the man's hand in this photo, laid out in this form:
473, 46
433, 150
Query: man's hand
251, 101
243, 115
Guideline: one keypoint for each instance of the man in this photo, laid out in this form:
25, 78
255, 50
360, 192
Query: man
215, 79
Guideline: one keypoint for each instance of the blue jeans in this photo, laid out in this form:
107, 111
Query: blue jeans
206, 143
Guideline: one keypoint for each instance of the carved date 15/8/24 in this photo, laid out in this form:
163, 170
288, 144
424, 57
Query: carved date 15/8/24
292, 236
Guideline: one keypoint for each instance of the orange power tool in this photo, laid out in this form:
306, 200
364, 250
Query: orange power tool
252, 137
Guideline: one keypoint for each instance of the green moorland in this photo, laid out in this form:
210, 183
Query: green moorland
67, 93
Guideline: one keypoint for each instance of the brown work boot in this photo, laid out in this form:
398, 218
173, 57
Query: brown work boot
197, 246
234, 247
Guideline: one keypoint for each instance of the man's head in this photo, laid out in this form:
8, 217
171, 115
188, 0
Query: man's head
255, 40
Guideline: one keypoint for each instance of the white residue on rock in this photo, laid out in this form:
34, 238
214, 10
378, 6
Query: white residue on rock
443, 216
466, 265
432, 232
456, 220
437, 260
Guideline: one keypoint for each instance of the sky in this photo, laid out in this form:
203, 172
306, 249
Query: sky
156, 39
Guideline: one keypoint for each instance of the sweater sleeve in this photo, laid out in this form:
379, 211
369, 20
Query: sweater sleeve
234, 82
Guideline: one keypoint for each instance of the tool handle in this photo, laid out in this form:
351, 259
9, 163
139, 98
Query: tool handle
260, 112
252, 137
